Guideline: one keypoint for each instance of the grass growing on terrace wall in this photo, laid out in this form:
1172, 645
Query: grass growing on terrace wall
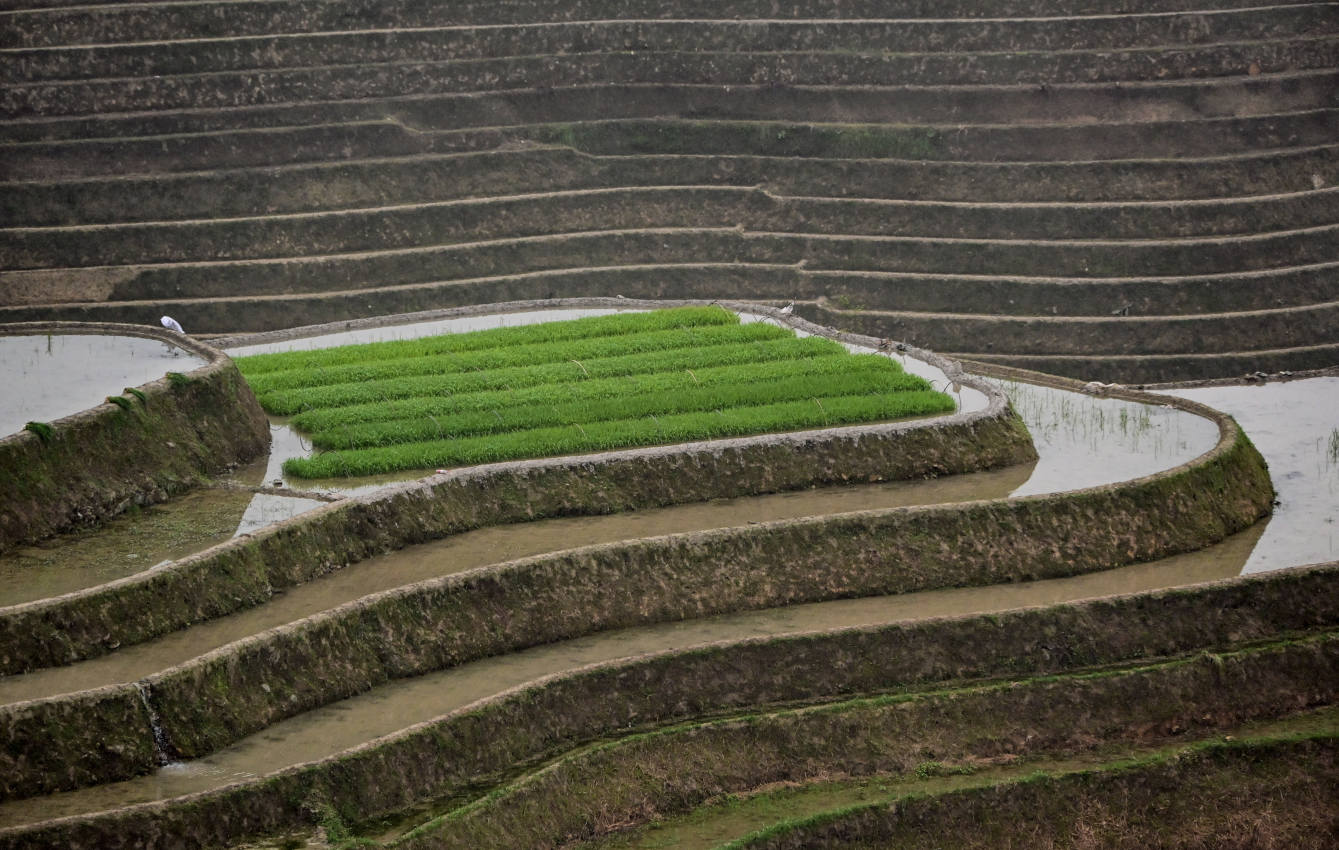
609, 382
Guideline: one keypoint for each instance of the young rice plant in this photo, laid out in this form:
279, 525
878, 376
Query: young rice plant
595, 384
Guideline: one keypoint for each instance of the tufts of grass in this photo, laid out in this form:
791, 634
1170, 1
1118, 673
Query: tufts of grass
43, 430
177, 379
120, 401
139, 394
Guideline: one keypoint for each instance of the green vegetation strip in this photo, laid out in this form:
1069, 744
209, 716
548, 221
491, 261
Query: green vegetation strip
521, 355
622, 433
591, 390
884, 377
611, 382
338, 395
595, 326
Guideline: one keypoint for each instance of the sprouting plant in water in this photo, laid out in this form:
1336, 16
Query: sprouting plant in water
929, 769
1332, 452
120, 401
139, 394
44, 432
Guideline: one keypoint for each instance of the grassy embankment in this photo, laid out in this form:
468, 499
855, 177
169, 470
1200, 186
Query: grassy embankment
595, 384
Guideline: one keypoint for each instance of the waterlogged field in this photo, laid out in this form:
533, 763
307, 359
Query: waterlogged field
593, 384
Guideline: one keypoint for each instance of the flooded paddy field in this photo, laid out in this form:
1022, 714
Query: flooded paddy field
1295, 425
49, 376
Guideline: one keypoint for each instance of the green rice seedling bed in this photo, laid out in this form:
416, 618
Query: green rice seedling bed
622, 433
557, 411
615, 324
521, 355
632, 379
592, 389
287, 402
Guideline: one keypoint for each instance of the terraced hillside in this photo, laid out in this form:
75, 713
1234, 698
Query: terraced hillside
1101, 188
564, 652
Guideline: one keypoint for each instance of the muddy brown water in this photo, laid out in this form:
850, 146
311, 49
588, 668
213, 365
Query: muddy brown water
489, 546
122, 546
332, 729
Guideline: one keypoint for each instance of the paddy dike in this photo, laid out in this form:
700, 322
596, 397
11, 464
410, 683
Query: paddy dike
159, 439
1133, 195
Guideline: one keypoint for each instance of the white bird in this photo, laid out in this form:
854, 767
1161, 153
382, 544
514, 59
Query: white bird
788, 309
172, 324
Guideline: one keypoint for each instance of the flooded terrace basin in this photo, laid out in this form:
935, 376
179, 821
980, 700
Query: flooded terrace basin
45, 377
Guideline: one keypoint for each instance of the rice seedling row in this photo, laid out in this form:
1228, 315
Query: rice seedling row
556, 411
595, 326
521, 355
289, 402
570, 387
624, 433
591, 390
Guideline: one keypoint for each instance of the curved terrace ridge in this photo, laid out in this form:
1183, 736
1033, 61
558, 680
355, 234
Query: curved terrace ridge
812, 91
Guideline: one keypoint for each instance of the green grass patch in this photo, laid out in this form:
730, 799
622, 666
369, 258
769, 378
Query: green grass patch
598, 384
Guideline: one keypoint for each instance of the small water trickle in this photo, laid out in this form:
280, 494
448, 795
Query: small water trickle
161, 746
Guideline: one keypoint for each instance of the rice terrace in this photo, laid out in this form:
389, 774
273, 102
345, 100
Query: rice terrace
765, 425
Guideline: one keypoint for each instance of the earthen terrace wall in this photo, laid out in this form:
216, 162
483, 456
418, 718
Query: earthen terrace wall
105, 459
482, 742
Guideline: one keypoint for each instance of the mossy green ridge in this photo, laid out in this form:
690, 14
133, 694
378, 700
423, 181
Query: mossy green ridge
588, 792
1268, 792
1266, 635
84, 468
642, 365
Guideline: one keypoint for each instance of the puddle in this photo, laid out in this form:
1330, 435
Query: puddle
1295, 425
266, 509
49, 376
130, 543
489, 546
334, 728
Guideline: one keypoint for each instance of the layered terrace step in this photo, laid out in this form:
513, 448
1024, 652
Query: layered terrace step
957, 150
41, 24
445, 222
313, 187
1058, 49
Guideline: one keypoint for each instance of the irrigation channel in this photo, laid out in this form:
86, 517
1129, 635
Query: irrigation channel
1082, 440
